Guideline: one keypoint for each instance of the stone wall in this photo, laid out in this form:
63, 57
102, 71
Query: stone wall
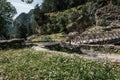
107, 14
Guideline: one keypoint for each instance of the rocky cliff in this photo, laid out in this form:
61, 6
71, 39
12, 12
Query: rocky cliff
26, 19
107, 14
109, 34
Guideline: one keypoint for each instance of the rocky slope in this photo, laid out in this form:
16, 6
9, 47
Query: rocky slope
74, 19
107, 14
101, 35
78, 19
26, 19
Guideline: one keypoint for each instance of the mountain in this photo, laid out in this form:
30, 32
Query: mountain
27, 20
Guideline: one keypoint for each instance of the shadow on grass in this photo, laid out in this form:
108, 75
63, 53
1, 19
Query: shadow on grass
7, 47
63, 49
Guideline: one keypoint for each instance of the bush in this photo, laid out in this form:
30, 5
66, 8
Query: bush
73, 16
103, 23
60, 21
46, 38
54, 6
56, 24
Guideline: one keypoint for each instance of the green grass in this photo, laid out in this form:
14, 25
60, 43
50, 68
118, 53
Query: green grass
27, 64
52, 37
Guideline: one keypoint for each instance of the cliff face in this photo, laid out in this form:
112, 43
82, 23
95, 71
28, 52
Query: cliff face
107, 14
27, 20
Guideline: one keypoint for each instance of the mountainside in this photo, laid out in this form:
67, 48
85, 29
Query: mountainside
26, 20
79, 18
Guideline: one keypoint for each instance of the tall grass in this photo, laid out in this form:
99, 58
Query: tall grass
27, 64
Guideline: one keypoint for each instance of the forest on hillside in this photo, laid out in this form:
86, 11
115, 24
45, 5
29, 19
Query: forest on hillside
50, 17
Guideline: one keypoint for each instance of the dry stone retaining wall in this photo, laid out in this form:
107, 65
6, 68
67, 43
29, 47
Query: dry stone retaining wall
98, 38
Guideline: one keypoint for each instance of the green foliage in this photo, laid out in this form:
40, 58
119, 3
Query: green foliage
73, 16
115, 2
27, 64
60, 21
3, 30
52, 37
57, 24
45, 38
118, 2
22, 31
103, 23
7, 11
53, 5
58, 5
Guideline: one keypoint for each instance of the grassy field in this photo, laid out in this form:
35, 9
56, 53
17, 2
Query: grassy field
52, 37
27, 64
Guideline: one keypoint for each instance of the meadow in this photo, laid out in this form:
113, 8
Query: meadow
28, 64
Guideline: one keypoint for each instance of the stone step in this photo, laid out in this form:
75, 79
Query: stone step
106, 37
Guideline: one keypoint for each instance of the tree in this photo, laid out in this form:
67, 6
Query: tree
28, 1
3, 29
22, 31
7, 11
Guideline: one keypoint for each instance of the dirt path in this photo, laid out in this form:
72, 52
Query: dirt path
92, 55
102, 55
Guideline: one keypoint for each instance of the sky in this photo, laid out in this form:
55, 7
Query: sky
23, 7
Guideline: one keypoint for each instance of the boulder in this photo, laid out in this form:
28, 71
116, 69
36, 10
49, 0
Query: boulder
72, 35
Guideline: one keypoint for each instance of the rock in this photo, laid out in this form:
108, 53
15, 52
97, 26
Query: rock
107, 14
72, 35
113, 25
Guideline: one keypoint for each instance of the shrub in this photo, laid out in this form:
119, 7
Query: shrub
46, 38
73, 16
103, 23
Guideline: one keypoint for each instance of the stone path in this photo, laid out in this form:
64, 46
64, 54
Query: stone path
102, 55
88, 54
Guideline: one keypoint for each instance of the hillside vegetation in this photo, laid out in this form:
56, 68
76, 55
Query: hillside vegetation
74, 19
77, 18
55, 17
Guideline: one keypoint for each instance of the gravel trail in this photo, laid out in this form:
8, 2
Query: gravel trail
88, 54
